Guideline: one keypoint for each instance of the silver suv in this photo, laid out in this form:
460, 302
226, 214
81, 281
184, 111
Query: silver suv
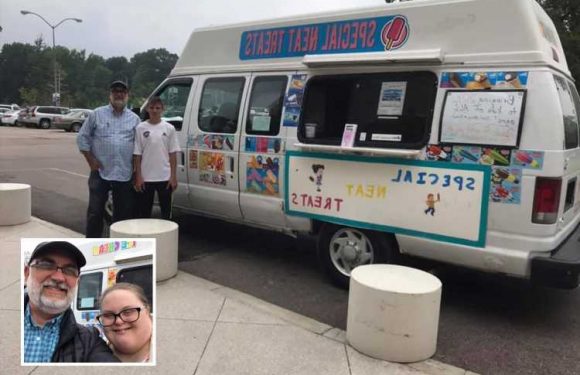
43, 116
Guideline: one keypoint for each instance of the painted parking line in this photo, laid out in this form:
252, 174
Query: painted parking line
44, 169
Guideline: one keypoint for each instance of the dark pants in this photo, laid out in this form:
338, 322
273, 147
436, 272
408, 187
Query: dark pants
145, 199
123, 198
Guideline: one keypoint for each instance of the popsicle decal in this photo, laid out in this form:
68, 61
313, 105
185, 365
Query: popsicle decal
528, 159
377, 34
395, 33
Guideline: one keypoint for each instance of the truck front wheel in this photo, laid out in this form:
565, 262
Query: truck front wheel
341, 249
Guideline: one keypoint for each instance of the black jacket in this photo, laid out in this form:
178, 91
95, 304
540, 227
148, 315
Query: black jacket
78, 343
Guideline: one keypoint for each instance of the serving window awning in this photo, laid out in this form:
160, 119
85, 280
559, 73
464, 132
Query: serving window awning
432, 56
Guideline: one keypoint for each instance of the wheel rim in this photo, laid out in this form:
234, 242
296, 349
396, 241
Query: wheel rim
76, 128
350, 248
45, 124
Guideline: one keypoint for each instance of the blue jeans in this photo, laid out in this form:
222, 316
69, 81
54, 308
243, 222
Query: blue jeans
123, 196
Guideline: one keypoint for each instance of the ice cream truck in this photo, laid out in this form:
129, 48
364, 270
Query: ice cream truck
110, 261
441, 129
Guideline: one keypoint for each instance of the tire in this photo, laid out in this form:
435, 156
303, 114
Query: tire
341, 249
75, 127
44, 124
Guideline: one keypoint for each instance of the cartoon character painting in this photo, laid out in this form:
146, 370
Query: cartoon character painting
430, 202
317, 179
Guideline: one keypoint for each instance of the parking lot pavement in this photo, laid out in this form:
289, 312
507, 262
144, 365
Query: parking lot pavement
204, 328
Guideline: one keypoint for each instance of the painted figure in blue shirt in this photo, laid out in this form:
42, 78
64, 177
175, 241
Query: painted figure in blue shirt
106, 140
51, 333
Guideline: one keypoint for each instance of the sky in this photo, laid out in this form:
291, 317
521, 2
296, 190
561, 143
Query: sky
125, 27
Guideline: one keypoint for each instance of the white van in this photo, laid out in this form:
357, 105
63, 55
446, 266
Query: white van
443, 129
110, 261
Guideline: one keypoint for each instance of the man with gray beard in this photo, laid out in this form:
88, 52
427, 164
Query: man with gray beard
51, 333
106, 140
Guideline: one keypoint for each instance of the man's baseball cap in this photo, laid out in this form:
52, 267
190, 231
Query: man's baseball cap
119, 84
63, 247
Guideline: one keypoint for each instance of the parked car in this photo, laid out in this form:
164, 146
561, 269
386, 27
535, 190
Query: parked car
10, 118
9, 107
43, 116
72, 121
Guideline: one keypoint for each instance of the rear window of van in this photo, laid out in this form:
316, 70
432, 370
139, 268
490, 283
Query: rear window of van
570, 104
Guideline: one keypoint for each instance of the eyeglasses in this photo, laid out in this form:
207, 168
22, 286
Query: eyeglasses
46, 266
119, 91
128, 316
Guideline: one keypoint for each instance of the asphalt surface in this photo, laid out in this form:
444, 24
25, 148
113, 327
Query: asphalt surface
488, 324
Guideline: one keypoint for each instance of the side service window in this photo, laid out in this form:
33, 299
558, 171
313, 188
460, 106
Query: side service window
174, 96
569, 111
390, 110
265, 110
89, 291
220, 105
142, 276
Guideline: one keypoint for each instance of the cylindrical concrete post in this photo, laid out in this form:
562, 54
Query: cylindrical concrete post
393, 312
15, 204
165, 232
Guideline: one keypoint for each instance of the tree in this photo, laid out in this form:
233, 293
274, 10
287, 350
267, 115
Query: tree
150, 68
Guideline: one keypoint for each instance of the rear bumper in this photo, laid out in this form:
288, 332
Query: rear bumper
562, 268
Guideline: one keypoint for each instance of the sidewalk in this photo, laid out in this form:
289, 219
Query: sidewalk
204, 329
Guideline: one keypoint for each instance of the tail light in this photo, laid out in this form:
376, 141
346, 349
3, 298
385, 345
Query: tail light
546, 200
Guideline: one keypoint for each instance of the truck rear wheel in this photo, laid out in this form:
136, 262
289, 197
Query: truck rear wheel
341, 249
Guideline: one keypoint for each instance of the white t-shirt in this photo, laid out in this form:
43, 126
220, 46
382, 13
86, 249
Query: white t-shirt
154, 143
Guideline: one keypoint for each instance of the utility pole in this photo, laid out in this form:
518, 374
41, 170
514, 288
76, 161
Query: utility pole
56, 93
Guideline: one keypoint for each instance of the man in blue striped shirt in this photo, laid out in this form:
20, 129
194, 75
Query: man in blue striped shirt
51, 333
106, 140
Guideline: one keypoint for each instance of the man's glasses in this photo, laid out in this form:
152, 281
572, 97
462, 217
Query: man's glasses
46, 266
128, 316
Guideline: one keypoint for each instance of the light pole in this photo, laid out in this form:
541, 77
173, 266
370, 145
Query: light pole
56, 94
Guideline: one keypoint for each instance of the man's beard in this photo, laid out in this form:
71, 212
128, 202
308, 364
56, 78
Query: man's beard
46, 304
119, 103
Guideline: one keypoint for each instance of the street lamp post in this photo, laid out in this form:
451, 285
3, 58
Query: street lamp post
56, 94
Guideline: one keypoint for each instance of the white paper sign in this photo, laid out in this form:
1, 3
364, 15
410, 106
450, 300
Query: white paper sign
482, 117
392, 99
261, 123
427, 199
348, 135
87, 303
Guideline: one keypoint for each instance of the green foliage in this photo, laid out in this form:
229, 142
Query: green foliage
28, 74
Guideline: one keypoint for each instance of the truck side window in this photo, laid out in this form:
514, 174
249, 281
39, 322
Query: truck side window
569, 113
391, 110
174, 96
142, 276
576, 99
265, 111
89, 291
220, 105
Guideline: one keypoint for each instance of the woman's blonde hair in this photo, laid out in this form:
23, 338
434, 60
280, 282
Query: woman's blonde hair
134, 288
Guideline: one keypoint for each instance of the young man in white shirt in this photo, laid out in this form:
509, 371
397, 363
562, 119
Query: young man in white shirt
155, 152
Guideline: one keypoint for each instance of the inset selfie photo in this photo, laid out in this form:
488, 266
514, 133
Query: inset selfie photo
88, 301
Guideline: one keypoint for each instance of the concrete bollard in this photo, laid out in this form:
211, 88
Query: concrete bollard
393, 312
15, 204
165, 232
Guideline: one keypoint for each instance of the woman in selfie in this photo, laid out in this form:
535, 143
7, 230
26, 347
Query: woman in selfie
127, 322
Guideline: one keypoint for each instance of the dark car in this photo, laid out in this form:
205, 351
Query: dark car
73, 121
